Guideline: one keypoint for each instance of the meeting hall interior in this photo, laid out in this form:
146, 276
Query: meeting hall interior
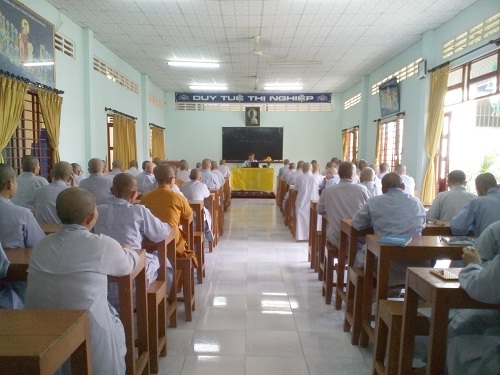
261, 285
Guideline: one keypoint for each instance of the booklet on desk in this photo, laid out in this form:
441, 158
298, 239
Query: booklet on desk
458, 240
395, 239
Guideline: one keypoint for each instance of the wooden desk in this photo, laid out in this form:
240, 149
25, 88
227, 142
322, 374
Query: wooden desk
313, 229
19, 261
441, 229
347, 250
252, 179
50, 227
420, 248
443, 296
135, 365
40, 341
348, 246
188, 228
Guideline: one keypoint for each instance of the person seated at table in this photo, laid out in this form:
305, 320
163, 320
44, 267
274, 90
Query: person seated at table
128, 224
146, 180
408, 181
307, 187
384, 169
170, 208
449, 203
360, 165
133, 168
28, 182
116, 168
182, 174
45, 197
291, 169
224, 169
315, 169
474, 335
196, 190
18, 227
67, 270
215, 171
480, 212
77, 173
292, 177
283, 170
251, 158
393, 212
208, 177
331, 178
367, 178
97, 183
341, 201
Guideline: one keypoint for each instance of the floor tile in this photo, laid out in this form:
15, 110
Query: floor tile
260, 310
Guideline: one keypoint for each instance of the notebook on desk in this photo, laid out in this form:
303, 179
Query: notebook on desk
445, 274
395, 239
254, 164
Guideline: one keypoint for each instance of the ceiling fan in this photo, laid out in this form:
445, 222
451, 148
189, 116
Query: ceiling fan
257, 49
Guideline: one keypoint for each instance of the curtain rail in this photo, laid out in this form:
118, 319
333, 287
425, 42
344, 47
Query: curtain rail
496, 42
120, 113
30, 83
156, 126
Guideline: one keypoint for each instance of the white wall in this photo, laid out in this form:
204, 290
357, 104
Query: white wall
196, 135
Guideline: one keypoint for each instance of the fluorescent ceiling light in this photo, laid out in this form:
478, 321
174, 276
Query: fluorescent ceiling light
39, 63
283, 87
293, 63
195, 64
208, 87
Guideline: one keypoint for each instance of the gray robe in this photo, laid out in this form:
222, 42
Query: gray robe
68, 270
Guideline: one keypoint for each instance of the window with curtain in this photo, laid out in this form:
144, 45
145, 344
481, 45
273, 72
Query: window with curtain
30, 138
350, 137
157, 142
478, 78
471, 118
390, 135
122, 144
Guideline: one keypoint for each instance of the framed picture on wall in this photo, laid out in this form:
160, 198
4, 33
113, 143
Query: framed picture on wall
26, 43
252, 116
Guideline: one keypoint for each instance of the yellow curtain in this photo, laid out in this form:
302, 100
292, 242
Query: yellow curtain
124, 140
439, 84
158, 143
344, 145
11, 108
377, 143
51, 104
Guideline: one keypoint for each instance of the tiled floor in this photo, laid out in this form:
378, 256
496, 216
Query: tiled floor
259, 310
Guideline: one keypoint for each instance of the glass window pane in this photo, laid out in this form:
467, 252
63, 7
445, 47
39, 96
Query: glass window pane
483, 88
455, 77
484, 66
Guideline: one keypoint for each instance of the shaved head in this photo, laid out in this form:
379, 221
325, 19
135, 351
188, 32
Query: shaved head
367, 174
346, 170
195, 174
75, 205
6, 174
123, 185
390, 181
62, 171
95, 165
164, 173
